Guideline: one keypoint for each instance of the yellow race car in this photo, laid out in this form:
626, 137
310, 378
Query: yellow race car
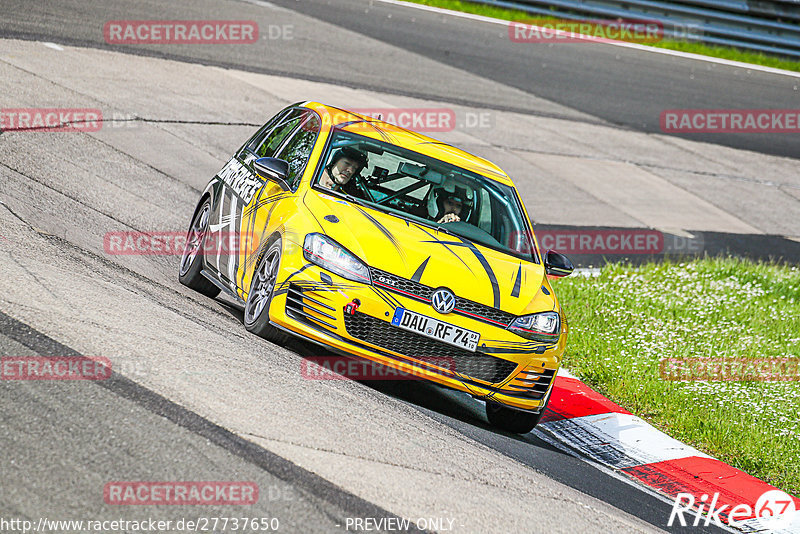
383, 244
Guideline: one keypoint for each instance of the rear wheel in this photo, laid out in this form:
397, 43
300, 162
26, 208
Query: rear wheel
262, 287
511, 420
192, 259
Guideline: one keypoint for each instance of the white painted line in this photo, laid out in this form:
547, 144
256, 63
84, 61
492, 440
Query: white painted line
53, 46
664, 51
264, 3
564, 372
619, 440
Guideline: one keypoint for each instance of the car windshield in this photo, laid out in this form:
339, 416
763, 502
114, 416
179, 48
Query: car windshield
426, 190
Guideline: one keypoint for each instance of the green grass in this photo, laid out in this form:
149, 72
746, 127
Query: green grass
722, 52
623, 322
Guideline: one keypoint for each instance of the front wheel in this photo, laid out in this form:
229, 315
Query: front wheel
262, 287
511, 420
192, 259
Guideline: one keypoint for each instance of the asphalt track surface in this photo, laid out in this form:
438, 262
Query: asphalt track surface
174, 421
92, 427
348, 45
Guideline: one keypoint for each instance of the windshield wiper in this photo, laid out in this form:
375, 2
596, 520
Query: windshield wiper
440, 228
354, 200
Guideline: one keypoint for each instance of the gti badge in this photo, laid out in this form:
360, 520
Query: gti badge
443, 300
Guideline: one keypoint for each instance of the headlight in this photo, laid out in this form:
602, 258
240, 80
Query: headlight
545, 326
329, 254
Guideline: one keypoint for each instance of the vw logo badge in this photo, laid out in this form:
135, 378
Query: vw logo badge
443, 300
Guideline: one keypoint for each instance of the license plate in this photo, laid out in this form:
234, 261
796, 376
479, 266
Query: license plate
436, 329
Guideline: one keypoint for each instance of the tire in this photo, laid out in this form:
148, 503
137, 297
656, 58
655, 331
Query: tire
192, 258
511, 420
262, 287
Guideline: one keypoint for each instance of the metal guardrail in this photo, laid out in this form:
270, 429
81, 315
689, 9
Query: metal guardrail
769, 26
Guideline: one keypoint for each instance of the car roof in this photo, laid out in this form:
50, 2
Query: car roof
383, 131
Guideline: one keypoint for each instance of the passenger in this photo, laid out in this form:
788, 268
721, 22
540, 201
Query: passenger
450, 202
338, 175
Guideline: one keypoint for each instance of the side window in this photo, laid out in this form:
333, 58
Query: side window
262, 132
298, 149
485, 219
506, 234
267, 145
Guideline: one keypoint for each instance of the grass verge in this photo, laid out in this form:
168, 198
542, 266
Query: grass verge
721, 52
624, 321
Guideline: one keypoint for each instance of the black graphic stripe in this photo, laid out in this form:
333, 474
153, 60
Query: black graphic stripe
385, 231
298, 271
311, 285
444, 244
418, 273
250, 217
387, 298
267, 200
489, 272
517, 282
251, 226
264, 236
484, 263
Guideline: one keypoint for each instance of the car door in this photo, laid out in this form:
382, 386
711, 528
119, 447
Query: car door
272, 204
237, 188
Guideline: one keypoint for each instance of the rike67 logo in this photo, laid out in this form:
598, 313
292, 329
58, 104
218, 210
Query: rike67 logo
773, 511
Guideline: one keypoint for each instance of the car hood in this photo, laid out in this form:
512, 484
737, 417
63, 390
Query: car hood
432, 258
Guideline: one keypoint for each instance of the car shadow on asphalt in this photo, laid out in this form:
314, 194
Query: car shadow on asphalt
456, 409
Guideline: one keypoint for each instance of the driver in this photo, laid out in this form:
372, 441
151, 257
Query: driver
450, 202
346, 163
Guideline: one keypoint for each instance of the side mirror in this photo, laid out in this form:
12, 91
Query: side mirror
273, 169
556, 264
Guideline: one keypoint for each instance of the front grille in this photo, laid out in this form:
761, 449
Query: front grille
474, 308
464, 307
472, 364
401, 284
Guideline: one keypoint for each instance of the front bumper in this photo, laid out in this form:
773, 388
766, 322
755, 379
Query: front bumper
309, 301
